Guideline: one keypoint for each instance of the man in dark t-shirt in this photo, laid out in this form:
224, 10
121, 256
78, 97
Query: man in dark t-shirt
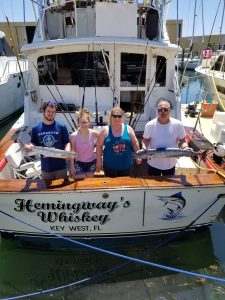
50, 133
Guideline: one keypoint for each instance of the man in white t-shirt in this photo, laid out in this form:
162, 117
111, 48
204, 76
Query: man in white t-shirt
163, 132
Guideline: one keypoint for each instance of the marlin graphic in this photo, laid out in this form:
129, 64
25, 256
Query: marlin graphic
174, 204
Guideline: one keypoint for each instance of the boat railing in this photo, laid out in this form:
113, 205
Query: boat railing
12, 67
70, 12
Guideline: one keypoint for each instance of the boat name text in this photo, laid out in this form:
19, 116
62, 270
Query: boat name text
68, 212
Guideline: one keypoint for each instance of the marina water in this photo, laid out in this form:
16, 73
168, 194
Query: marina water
26, 270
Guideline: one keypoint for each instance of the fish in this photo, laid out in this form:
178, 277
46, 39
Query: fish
176, 199
164, 152
52, 152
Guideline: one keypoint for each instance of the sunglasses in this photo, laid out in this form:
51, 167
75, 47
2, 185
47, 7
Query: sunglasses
117, 116
163, 109
51, 102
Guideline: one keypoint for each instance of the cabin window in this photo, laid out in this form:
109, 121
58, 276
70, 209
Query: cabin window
218, 64
5, 48
132, 101
220, 89
80, 68
160, 76
133, 68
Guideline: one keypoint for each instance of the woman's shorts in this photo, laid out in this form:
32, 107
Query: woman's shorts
85, 167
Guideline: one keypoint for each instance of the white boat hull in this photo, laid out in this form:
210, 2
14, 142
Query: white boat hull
12, 97
215, 85
108, 213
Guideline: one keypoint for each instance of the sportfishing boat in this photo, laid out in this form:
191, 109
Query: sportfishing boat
82, 55
212, 70
12, 69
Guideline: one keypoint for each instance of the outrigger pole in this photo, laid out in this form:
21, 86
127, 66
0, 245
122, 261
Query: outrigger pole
17, 59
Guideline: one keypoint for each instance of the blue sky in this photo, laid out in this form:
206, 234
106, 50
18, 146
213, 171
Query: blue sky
13, 9
186, 12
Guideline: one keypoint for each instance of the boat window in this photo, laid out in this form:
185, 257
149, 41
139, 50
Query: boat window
219, 64
5, 48
133, 68
160, 70
132, 101
220, 89
79, 68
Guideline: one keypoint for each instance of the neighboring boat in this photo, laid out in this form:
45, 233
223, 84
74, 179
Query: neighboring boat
187, 63
212, 69
81, 56
11, 83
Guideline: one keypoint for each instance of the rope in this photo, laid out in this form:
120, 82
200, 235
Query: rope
210, 170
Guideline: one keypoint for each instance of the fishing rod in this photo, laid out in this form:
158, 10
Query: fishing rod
221, 25
190, 48
95, 72
85, 77
42, 78
112, 87
208, 45
53, 81
17, 59
138, 83
145, 103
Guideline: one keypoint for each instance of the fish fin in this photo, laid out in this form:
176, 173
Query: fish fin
178, 195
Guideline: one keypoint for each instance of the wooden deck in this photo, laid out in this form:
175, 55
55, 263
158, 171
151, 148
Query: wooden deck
105, 183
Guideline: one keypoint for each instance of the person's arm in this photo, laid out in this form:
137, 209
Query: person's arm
96, 134
134, 140
182, 138
183, 144
99, 147
135, 143
28, 147
67, 147
145, 143
71, 147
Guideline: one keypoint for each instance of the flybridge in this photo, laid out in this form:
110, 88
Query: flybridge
70, 19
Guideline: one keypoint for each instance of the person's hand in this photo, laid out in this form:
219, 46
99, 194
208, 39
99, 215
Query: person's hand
98, 166
67, 158
187, 148
72, 170
138, 161
140, 151
27, 147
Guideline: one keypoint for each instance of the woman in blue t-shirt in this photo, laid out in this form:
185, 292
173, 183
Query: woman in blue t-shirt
119, 142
